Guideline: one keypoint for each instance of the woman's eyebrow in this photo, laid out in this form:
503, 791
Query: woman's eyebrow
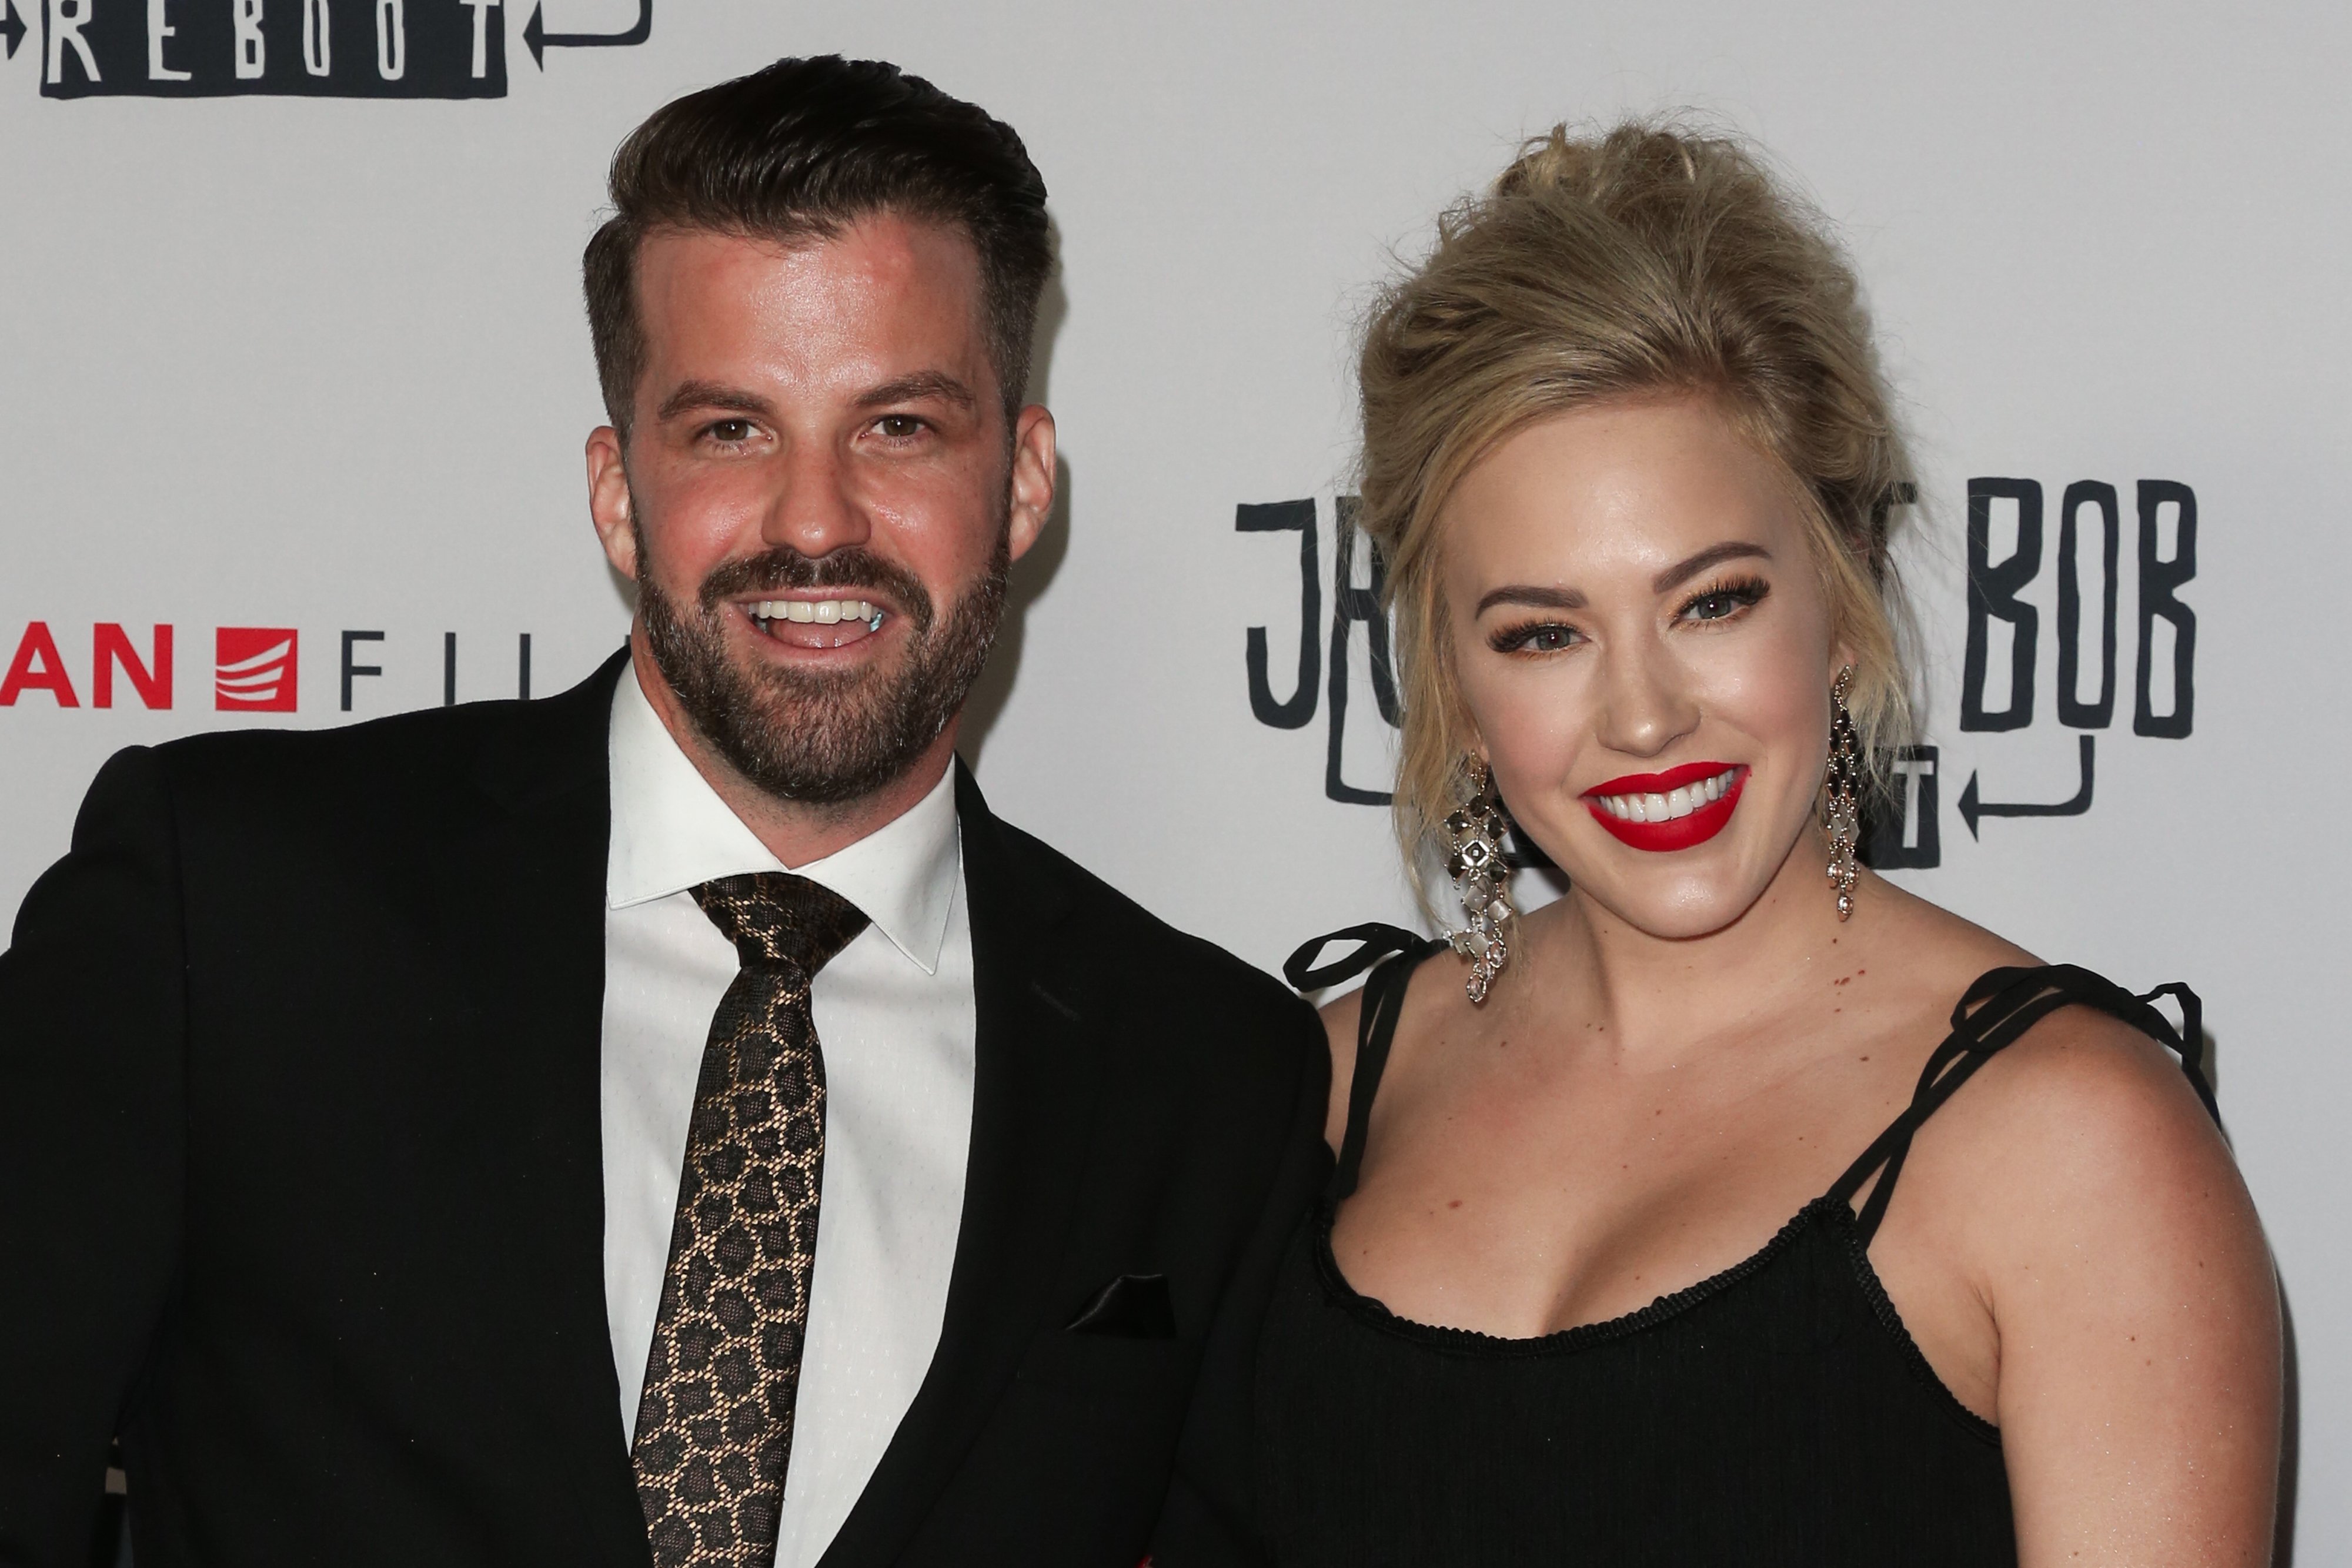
1682, 572
1528, 594
1674, 577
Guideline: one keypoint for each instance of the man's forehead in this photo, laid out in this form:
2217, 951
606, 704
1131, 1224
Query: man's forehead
871, 293
879, 253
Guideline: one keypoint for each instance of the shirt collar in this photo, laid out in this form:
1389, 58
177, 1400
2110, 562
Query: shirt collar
672, 832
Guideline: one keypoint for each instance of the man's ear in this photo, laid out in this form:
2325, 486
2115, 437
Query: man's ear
1032, 478
609, 502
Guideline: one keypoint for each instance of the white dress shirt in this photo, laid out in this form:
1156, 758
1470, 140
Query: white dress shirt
894, 1016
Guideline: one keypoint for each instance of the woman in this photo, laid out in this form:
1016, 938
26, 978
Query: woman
1625, 453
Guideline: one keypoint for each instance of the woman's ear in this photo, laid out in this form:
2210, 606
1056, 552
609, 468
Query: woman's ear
1472, 741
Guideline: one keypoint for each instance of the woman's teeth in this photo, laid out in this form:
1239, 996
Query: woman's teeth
1673, 803
823, 612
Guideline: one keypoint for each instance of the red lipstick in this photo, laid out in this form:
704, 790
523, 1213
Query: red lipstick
1693, 827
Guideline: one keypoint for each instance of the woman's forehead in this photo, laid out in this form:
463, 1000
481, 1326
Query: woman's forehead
1618, 488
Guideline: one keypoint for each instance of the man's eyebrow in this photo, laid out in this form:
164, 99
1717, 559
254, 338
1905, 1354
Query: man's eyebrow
1682, 572
920, 386
1530, 594
710, 395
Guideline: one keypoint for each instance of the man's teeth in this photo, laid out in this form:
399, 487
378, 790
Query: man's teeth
1673, 803
823, 612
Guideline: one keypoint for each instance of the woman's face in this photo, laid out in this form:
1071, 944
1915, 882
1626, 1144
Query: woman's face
1643, 649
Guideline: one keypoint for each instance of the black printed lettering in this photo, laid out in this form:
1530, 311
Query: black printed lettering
1993, 596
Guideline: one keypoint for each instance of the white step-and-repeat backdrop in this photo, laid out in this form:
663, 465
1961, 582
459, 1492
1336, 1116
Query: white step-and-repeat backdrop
294, 379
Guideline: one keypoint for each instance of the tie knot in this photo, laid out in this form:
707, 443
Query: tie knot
774, 917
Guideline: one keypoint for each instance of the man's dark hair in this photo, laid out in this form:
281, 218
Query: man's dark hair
799, 151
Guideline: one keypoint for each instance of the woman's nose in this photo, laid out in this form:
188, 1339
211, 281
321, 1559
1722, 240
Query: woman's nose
1646, 705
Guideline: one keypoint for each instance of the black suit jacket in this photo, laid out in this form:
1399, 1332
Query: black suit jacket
300, 1192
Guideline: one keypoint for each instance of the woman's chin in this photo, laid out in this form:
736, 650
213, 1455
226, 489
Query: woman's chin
1673, 909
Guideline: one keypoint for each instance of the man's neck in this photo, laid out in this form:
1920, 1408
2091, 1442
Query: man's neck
797, 833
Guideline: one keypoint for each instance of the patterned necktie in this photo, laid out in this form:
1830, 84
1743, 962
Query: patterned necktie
715, 1424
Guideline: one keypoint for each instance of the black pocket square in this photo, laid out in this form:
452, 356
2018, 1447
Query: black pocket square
1133, 1306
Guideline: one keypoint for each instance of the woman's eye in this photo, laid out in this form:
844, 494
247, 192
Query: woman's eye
1721, 603
1543, 638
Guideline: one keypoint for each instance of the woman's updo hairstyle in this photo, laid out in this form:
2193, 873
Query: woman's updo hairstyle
1644, 263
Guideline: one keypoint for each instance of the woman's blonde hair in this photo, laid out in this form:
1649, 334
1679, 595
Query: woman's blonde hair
1644, 262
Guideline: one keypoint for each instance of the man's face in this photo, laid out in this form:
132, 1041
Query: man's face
819, 498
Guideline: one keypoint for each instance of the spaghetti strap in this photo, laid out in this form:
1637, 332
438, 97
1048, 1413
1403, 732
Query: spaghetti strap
1994, 1013
1375, 1025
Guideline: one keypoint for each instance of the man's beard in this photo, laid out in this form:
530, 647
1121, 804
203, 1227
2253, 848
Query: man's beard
822, 737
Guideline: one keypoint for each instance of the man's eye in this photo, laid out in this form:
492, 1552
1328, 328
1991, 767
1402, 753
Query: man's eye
732, 432
900, 426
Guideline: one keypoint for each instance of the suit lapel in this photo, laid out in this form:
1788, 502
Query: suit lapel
532, 871
1037, 1077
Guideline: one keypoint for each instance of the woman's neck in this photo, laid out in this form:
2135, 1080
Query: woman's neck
1649, 993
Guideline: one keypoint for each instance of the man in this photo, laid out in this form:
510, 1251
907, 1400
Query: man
673, 1121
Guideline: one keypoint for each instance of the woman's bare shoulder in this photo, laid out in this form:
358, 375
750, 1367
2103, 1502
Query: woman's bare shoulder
2079, 1072
2083, 1146
2086, 1099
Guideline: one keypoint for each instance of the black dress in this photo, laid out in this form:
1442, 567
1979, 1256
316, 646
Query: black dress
1776, 1414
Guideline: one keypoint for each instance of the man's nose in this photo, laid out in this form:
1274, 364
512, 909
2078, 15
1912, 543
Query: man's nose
813, 509
1647, 705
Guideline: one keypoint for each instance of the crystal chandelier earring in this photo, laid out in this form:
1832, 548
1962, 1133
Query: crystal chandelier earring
1841, 814
1474, 860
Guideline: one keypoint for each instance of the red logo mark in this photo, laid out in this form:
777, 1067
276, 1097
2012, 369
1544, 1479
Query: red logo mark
114, 650
254, 669
38, 667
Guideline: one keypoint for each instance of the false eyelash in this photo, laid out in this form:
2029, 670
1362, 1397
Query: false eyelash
1515, 639
1749, 591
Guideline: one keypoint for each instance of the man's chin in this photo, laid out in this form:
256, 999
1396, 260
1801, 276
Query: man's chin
785, 684
822, 727
818, 747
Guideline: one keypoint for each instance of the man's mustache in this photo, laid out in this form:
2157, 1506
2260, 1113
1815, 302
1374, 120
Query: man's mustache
785, 569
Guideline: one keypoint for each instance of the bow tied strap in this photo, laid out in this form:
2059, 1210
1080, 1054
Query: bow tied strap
1375, 941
